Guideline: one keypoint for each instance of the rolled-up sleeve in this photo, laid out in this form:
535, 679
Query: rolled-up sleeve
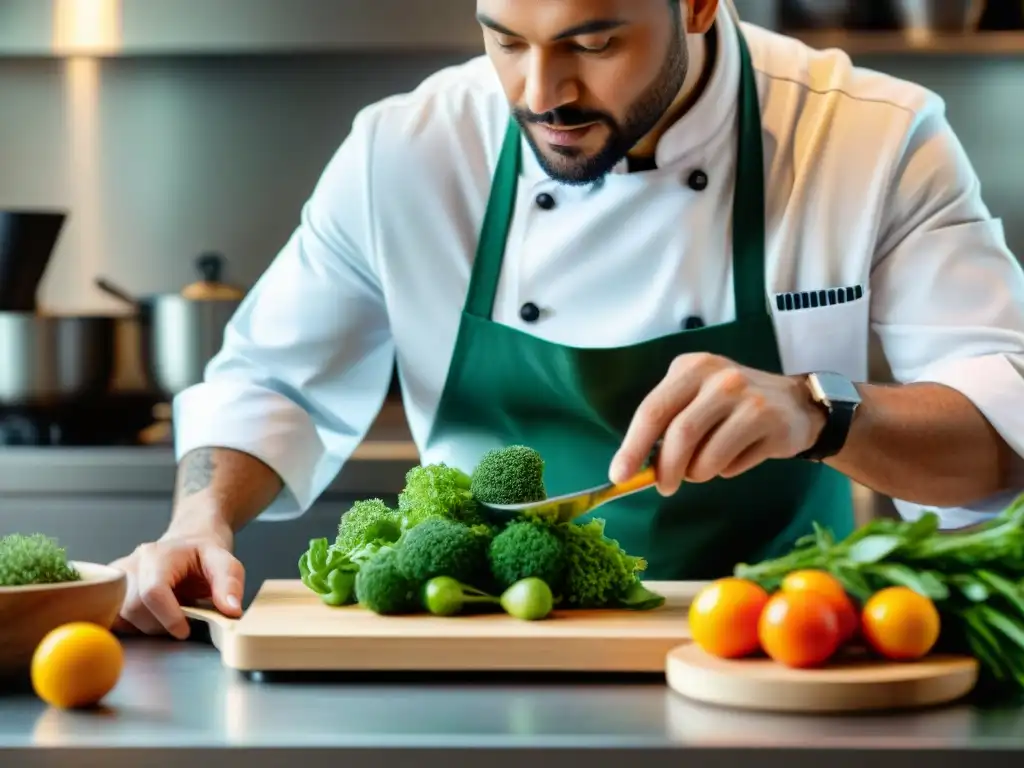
948, 295
307, 358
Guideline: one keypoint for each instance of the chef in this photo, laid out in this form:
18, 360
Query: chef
631, 221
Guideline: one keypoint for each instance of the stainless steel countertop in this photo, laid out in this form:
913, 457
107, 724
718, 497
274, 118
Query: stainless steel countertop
176, 704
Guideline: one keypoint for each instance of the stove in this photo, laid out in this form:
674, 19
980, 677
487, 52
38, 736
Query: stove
116, 420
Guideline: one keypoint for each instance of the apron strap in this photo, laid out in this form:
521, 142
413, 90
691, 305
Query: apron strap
483, 284
748, 217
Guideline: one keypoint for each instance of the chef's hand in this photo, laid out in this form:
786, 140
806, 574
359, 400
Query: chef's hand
173, 570
717, 419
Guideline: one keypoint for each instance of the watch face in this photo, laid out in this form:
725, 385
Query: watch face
835, 388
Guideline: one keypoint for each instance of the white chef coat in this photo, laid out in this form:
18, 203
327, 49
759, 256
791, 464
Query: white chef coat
866, 185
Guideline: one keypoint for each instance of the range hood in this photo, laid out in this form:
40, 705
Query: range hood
203, 27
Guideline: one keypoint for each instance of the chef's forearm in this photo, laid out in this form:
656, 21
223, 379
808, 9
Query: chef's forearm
218, 491
924, 443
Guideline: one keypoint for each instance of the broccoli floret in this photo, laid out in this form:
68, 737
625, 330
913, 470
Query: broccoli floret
368, 523
510, 475
33, 559
437, 490
440, 547
598, 572
383, 588
524, 550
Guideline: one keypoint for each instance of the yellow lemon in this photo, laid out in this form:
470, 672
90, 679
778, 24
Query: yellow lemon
76, 665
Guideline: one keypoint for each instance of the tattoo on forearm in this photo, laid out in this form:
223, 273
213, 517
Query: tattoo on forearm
197, 472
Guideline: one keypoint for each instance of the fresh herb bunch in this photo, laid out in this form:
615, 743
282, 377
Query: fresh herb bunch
27, 559
975, 577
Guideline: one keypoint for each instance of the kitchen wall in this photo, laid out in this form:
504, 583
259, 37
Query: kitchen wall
160, 158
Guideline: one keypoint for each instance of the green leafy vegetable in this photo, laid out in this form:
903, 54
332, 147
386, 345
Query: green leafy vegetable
437, 490
510, 475
368, 523
975, 577
33, 559
328, 572
640, 598
598, 571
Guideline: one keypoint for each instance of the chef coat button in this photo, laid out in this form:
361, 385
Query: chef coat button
698, 181
530, 312
545, 201
692, 323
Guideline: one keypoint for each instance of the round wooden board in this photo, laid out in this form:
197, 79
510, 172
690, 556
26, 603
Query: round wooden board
842, 686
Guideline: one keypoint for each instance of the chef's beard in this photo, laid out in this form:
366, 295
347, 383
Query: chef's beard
567, 165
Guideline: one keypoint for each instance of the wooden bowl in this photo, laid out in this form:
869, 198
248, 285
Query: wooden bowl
28, 613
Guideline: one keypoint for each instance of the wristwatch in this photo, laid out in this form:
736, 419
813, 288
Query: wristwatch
840, 398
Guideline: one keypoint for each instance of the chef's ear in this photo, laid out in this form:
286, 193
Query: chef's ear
700, 15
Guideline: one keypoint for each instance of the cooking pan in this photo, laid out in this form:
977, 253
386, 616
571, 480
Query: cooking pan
54, 360
45, 360
181, 332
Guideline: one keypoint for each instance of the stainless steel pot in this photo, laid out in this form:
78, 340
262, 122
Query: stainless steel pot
53, 360
926, 16
180, 333
179, 337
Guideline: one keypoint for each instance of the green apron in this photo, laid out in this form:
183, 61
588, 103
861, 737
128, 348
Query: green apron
573, 405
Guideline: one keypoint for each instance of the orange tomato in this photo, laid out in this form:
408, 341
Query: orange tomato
829, 587
76, 665
724, 616
900, 624
799, 629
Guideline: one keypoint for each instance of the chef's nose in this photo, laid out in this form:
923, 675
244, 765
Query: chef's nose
550, 83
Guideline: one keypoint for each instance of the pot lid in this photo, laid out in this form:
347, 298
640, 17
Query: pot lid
209, 287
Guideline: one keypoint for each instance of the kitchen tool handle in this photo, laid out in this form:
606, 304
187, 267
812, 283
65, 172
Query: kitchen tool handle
118, 293
641, 481
210, 266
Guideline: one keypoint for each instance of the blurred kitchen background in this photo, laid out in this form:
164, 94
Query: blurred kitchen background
164, 149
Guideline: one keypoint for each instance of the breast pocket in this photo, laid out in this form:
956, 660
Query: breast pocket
828, 337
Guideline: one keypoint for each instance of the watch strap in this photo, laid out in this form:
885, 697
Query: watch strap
833, 437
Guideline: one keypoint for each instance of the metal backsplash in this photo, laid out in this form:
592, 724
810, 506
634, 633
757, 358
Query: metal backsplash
160, 158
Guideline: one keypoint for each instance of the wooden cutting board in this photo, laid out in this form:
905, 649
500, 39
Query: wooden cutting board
288, 628
854, 684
